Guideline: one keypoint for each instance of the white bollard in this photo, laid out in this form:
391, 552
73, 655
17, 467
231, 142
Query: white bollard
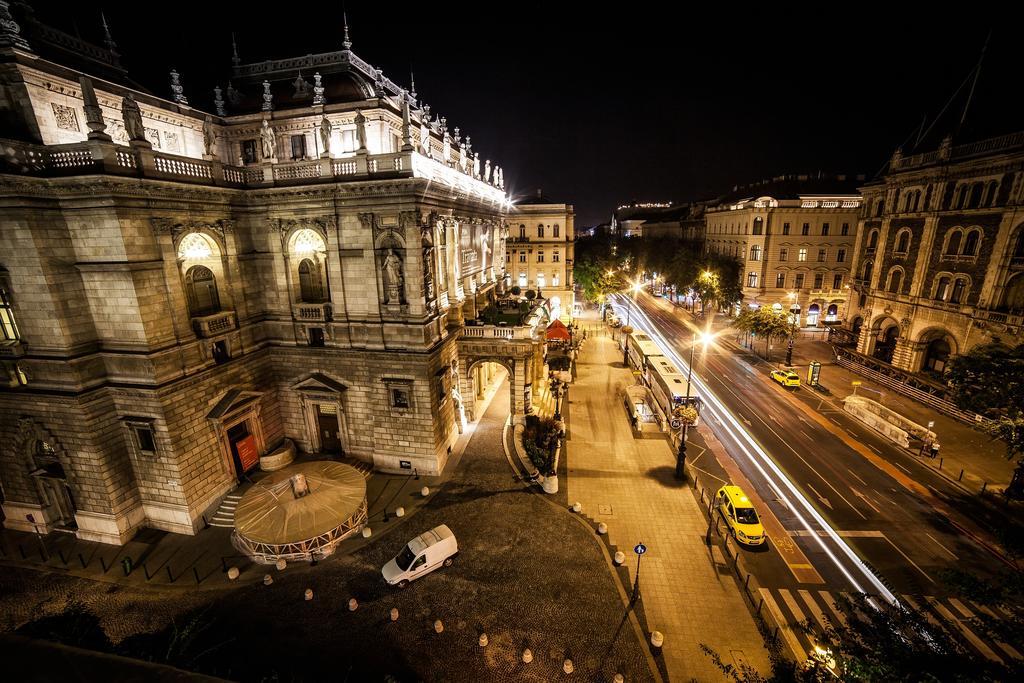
483, 640
425, 491
394, 614
281, 564
527, 656
438, 626
620, 557
399, 512
657, 639
602, 528
309, 594
567, 666
233, 573
618, 679
267, 579
353, 604
576, 507
367, 532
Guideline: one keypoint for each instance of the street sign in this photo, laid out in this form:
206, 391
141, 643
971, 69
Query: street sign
640, 549
676, 424
931, 423
856, 384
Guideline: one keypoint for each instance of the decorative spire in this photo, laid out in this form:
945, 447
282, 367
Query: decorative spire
318, 89
268, 98
218, 101
177, 91
412, 85
235, 59
347, 42
108, 40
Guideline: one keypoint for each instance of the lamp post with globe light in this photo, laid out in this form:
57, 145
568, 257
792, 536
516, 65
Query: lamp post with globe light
687, 414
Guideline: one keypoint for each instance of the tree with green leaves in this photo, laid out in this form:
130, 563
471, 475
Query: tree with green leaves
1010, 430
988, 379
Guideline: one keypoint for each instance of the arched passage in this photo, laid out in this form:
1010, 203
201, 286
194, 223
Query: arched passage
885, 335
480, 376
937, 347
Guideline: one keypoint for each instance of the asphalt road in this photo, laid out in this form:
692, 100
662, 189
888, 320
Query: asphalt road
889, 525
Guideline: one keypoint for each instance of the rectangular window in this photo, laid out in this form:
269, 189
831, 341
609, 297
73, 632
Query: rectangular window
824, 229
220, 352
801, 255
540, 231
8, 328
556, 257
785, 228
540, 256
144, 438
845, 230
249, 152
522, 257
755, 253
819, 279
316, 336
841, 256
555, 231
799, 283
399, 398
298, 147
540, 281
837, 282
751, 279
508, 257
554, 280
806, 230
780, 280
783, 254
821, 255
522, 279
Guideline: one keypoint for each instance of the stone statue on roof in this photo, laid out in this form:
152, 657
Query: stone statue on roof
476, 165
269, 141
361, 130
132, 116
487, 171
424, 134
209, 137
325, 134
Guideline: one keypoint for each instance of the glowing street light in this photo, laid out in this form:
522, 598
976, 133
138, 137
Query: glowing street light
704, 338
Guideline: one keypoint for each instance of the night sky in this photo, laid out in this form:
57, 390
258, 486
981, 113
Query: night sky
603, 106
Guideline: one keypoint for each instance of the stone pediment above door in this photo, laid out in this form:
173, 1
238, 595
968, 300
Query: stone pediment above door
233, 401
320, 383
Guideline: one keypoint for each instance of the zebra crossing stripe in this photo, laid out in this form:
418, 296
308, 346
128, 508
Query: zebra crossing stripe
1008, 649
799, 653
830, 602
971, 637
815, 610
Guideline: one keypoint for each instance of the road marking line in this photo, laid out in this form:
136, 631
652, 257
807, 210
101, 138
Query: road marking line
858, 477
787, 632
902, 468
907, 558
874, 449
927, 614
864, 497
974, 640
819, 616
941, 546
830, 602
1008, 649
851, 533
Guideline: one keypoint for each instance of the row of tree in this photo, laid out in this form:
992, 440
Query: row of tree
767, 324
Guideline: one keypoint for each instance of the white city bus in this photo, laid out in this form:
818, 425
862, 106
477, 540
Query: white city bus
668, 386
640, 349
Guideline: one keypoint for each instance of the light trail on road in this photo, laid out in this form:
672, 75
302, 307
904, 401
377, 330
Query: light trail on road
726, 424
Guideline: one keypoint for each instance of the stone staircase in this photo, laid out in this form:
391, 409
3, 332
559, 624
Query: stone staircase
225, 515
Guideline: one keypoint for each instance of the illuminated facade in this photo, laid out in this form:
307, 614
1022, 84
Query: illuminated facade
183, 291
939, 264
540, 252
795, 238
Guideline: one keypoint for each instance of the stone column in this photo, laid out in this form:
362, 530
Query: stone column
904, 354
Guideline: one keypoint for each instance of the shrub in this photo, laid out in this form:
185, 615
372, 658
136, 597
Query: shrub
531, 295
539, 436
516, 291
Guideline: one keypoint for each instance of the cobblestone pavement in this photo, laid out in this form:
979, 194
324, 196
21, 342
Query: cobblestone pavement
628, 483
528, 575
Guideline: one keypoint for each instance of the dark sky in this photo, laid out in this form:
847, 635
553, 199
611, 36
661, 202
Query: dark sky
600, 106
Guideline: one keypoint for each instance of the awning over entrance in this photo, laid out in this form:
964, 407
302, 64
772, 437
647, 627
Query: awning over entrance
557, 331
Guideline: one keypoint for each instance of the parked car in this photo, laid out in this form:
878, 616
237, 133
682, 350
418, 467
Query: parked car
786, 378
422, 555
740, 516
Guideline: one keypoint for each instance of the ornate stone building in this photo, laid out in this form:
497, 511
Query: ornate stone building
185, 291
795, 236
939, 264
540, 253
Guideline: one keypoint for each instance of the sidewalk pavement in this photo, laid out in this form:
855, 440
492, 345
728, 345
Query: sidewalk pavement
982, 460
628, 483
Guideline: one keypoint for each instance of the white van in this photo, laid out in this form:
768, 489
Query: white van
422, 555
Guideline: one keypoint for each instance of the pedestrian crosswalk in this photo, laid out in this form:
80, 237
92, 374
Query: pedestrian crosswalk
789, 607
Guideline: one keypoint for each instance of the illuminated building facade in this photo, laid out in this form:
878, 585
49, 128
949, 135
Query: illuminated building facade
540, 252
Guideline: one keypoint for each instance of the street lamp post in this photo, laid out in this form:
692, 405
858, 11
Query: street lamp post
684, 422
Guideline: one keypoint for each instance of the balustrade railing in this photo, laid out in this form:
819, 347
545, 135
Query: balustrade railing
214, 324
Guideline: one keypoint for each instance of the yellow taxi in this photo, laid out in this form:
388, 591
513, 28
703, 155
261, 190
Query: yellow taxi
740, 516
786, 378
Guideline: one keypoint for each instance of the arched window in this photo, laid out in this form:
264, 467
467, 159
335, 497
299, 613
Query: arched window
895, 280
879, 208
942, 288
522, 232
311, 286
971, 243
1013, 295
201, 291
961, 197
868, 267
873, 239
959, 290
975, 200
953, 243
758, 225
1018, 249
540, 230
936, 356
903, 242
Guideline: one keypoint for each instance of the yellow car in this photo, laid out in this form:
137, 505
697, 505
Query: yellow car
786, 378
740, 516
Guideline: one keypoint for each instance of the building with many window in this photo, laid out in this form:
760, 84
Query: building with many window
539, 253
185, 291
795, 236
939, 264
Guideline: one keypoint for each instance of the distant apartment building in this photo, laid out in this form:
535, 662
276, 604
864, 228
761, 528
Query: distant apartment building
939, 259
540, 247
795, 236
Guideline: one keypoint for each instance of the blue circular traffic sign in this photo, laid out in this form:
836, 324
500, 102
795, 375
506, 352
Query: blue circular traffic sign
640, 549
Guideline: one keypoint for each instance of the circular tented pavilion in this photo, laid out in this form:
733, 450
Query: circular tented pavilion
301, 512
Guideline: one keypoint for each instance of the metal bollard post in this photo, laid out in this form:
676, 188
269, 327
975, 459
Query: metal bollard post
984, 486
961, 477
170, 577
82, 560
940, 463
103, 564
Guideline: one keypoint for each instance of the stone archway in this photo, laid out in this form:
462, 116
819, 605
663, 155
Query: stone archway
479, 375
44, 464
935, 347
882, 339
